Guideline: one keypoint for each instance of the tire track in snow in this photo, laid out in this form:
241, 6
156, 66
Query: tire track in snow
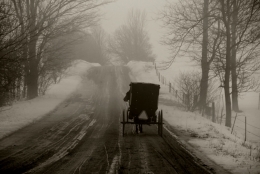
65, 150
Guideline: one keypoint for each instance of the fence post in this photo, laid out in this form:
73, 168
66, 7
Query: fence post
154, 65
170, 87
163, 79
221, 115
213, 112
195, 100
234, 123
245, 129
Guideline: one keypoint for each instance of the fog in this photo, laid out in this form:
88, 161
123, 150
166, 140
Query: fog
115, 14
65, 70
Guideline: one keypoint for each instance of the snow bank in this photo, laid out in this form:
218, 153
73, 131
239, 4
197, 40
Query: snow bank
215, 140
22, 113
142, 72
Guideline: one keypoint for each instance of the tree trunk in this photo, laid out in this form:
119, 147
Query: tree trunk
227, 96
26, 68
32, 90
25, 80
226, 18
233, 59
204, 59
19, 14
204, 84
32, 81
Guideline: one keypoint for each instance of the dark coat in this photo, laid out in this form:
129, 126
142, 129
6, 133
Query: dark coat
127, 96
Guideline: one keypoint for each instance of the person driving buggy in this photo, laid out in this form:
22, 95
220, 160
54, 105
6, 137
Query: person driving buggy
127, 96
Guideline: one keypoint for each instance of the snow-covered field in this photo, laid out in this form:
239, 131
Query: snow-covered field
22, 113
212, 139
248, 103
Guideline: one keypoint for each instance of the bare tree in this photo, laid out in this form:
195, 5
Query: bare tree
189, 24
41, 21
188, 84
56, 58
223, 33
101, 39
205, 66
244, 48
131, 41
226, 17
10, 57
233, 56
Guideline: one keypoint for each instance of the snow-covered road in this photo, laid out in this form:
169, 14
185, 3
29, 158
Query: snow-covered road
83, 135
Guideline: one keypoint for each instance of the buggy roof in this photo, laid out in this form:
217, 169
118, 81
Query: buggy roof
143, 83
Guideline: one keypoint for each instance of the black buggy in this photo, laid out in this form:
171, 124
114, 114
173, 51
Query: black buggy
143, 104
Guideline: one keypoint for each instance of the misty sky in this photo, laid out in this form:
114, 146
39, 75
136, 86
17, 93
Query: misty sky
116, 13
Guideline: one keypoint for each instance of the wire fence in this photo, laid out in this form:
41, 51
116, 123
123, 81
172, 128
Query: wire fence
182, 97
247, 127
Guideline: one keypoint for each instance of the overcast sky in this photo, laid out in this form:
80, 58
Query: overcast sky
115, 14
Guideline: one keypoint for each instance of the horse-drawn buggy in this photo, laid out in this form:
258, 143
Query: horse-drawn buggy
143, 105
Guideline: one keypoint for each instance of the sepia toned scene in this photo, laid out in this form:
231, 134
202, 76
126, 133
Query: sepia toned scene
130, 86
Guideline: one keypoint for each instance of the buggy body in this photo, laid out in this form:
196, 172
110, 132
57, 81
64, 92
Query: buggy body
143, 104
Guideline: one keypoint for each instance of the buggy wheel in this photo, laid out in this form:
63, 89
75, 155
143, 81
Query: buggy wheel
158, 122
123, 131
127, 115
141, 128
161, 123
